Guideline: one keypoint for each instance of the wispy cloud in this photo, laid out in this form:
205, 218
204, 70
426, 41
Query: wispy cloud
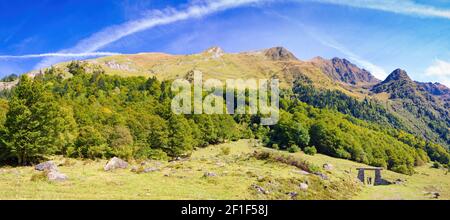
407, 7
152, 19
328, 41
441, 70
377, 71
201, 8
69, 55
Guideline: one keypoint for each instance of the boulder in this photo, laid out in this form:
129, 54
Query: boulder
54, 175
301, 172
209, 174
303, 186
321, 175
293, 194
46, 166
150, 169
115, 163
328, 167
259, 189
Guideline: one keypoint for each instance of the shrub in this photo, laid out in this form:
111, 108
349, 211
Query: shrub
436, 165
293, 148
285, 159
310, 150
275, 146
100, 151
225, 150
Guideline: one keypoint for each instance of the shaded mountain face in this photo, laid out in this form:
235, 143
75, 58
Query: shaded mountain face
344, 71
398, 84
279, 54
438, 90
424, 106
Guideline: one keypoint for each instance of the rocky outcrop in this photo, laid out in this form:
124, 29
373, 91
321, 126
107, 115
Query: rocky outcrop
46, 166
344, 71
215, 52
7, 85
115, 163
279, 54
51, 170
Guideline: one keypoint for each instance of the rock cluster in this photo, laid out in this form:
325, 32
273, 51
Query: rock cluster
115, 163
52, 171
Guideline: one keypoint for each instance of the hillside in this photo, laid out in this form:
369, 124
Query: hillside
420, 108
185, 179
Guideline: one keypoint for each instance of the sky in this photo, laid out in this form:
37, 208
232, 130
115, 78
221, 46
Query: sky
378, 35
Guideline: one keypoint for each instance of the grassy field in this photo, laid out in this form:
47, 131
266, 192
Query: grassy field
236, 175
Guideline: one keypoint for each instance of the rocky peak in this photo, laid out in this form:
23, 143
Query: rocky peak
398, 75
279, 54
344, 71
215, 51
398, 84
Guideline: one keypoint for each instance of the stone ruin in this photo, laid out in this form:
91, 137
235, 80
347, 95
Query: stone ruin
377, 181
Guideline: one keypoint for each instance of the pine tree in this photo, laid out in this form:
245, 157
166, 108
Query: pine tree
33, 122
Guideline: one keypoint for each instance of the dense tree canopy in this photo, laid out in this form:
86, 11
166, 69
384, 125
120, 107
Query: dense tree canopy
89, 114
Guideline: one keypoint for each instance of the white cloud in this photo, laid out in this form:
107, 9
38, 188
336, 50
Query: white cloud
154, 18
441, 70
406, 7
200, 8
93, 54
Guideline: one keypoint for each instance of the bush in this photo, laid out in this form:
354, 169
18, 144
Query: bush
293, 148
225, 150
285, 159
436, 165
310, 150
275, 146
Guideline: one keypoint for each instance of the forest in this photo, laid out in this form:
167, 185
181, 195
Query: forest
95, 115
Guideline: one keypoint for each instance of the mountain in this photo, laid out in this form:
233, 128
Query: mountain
279, 54
424, 107
419, 108
398, 84
344, 71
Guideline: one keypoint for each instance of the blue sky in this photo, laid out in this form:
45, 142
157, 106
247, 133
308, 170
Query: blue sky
379, 35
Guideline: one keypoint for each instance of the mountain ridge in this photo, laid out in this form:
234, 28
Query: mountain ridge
425, 103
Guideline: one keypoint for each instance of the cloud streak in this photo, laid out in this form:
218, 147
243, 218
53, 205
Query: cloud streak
377, 71
152, 19
407, 7
201, 8
67, 55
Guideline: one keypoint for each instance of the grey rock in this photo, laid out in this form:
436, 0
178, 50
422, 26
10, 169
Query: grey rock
328, 167
54, 175
150, 169
293, 194
321, 175
303, 186
301, 172
115, 163
46, 166
209, 174
259, 189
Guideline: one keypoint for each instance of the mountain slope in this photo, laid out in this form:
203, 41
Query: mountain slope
422, 107
344, 71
